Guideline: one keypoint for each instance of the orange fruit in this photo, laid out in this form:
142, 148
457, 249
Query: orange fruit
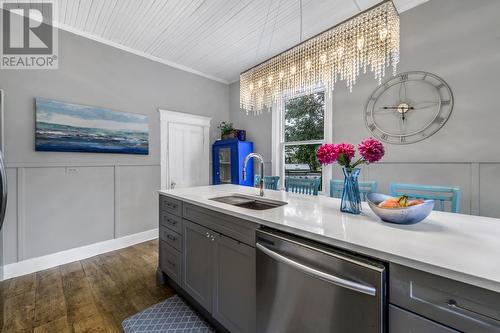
415, 202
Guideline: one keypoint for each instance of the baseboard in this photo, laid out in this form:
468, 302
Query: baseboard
60, 258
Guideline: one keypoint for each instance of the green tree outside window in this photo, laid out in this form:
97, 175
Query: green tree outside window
304, 121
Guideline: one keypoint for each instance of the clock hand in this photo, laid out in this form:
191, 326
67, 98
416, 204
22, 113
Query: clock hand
385, 111
424, 105
395, 107
402, 122
402, 89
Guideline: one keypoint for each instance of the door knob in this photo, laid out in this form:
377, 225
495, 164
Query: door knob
172, 185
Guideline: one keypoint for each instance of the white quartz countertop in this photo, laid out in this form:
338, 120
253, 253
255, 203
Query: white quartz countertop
461, 247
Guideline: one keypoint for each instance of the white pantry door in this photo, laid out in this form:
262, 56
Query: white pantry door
184, 150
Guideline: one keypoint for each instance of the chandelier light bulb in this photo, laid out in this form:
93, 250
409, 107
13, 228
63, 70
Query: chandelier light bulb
366, 42
340, 52
383, 34
322, 58
360, 43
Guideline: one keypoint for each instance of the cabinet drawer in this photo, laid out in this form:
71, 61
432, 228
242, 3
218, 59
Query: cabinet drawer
171, 221
170, 262
464, 307
241, 230
401, 321
170, 205
171, 238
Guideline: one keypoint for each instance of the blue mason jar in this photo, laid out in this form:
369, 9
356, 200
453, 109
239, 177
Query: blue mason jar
351, 200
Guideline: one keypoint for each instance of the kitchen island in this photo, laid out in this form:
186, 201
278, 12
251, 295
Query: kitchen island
445, 257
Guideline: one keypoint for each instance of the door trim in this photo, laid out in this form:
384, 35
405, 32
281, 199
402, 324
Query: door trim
166, 118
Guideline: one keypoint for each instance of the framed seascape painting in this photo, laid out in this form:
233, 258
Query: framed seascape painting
68, 127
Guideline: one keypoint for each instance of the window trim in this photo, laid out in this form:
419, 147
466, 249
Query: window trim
279, 144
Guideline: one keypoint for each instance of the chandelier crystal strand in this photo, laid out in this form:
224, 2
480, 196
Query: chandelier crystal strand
367, 42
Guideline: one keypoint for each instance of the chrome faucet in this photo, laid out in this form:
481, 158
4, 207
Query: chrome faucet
245, 161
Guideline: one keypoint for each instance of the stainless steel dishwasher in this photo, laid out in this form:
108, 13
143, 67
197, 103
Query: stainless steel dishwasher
305, 287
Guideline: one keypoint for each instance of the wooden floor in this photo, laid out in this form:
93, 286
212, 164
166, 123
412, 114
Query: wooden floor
92, 295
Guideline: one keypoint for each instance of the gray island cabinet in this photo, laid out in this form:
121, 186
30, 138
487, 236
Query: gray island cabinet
209, 258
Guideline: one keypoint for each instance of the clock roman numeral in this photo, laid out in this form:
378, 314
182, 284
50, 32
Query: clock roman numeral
403, 139
384, 136
404, 77
371, 127
445, 102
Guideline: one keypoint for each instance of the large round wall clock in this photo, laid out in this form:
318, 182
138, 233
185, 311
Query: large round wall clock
408, 108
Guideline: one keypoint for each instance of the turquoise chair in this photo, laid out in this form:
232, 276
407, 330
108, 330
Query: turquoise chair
337, 187
441, 194
302, 185
270, 182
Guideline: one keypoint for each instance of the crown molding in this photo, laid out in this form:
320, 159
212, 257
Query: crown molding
108, 42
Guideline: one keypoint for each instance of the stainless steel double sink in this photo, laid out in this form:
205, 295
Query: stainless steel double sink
249, 202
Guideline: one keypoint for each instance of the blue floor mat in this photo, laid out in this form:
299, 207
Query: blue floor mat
170, 316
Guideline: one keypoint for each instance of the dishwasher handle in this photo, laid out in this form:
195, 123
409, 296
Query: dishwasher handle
341, 282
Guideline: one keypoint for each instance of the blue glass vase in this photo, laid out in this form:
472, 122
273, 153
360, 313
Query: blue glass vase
351, 200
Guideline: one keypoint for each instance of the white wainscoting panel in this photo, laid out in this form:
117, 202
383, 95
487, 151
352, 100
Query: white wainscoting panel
137, 199
10, 222
56, 213
489, 189
65, 208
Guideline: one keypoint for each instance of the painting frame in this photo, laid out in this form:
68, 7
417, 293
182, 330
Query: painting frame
69, 127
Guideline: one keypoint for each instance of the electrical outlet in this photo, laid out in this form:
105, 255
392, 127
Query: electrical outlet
72, 170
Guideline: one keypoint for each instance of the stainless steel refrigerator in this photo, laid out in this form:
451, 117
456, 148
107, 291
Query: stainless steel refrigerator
3, 207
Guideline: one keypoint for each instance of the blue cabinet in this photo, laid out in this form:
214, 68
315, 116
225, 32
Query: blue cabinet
227, 158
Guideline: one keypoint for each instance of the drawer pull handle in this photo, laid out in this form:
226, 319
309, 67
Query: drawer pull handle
454, 304
172, 222
171, 263
172, 206
172, 238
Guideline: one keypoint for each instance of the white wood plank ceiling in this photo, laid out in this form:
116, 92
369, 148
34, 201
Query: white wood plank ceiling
214, 38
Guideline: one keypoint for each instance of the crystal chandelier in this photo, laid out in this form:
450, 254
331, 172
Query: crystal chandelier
369, 40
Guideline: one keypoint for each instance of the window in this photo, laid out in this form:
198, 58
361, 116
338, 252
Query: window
301, 127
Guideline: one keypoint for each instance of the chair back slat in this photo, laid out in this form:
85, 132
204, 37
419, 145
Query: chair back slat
308, 186
270, 182
337, 187
441, 194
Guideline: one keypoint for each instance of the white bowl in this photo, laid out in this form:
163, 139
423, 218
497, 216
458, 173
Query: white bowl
408, 215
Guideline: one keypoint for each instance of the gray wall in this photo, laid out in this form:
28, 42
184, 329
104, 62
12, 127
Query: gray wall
110, 195
459, 41
258, 127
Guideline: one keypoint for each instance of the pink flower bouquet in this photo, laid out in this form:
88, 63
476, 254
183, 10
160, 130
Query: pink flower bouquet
370, 149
